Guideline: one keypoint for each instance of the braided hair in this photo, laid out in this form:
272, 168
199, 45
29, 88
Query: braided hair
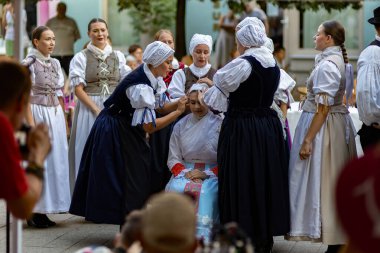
336, 31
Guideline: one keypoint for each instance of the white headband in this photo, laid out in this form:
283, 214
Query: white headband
198, 86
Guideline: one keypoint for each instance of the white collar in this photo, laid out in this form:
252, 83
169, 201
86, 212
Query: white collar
153, 80
262, 54
101, 54
333, 50
377, 37
199, 72
37, 54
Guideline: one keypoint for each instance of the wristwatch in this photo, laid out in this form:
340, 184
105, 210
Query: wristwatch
36, 170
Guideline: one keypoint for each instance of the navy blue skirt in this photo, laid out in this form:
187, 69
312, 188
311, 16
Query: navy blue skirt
253, 173
114, 173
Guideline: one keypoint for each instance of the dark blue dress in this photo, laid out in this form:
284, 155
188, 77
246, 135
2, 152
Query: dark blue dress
114, 173
252, 158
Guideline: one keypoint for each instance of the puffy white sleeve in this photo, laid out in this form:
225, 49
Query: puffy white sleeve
226, 80
77, 71
368, 88
176, 88
124, 69
32, 76
286, 85
143, 100
175, 152
326, 83
61, 80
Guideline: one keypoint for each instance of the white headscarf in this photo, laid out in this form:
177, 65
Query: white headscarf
269, 44
250, 21
251, 36
198, 39
198, 86
156, 53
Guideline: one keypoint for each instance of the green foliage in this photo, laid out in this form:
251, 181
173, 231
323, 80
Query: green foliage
315, 5
150, 16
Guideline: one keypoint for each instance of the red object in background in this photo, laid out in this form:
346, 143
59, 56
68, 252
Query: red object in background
358, 201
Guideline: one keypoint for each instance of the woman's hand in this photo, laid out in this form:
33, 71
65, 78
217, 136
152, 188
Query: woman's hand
200, 97
196, 175
96, 111
305, 150
206, 81
181, 107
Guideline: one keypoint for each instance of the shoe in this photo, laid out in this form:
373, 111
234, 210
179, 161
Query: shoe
49, 222
37, 222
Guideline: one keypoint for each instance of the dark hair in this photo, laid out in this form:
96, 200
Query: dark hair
336, 31
96, 20
62, 4
37, 32
15, 82
133, 48
278, 49
161, 31
131, 229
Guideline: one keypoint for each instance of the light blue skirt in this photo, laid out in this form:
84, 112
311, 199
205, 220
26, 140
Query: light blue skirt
207, 199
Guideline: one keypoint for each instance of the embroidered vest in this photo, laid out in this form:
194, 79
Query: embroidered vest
45, 87
102, 77
191, 78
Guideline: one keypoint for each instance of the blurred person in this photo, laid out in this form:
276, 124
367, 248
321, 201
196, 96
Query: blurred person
67, 33
137, 52
192, 160
128, 240
357, 198
8, 20
368, 88
46, 105
226, 39
21, 189
115, 170
252, 9
168, 224
228, 238
324, 141
131, 61
95, 72
279, 54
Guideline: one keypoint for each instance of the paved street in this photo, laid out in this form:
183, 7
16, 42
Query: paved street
73, 233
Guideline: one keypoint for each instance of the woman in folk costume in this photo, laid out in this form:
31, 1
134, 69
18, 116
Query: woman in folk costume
192, 160
94, 72
199, 71
252, 157
47, 106
159, 141
114, 174
323, 142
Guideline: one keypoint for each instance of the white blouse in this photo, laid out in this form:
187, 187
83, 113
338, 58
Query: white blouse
78, 68
194, 140
143, 99
285, 87
368, 88
326, 77
176, 88
229, 78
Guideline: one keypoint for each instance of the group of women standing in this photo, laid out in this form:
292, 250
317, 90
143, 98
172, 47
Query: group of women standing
233, 158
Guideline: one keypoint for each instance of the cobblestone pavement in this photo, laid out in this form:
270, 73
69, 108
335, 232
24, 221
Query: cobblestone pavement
73, 233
